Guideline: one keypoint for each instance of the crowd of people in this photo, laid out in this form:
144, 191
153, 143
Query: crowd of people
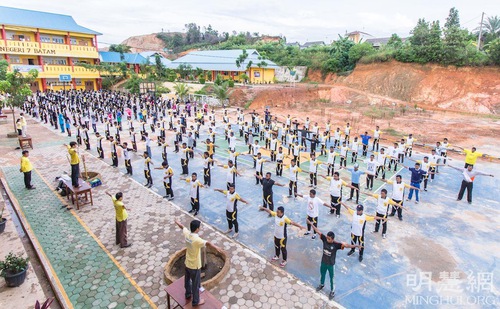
273, 143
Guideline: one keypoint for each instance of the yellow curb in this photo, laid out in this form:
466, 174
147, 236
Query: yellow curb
127, 275
47, 267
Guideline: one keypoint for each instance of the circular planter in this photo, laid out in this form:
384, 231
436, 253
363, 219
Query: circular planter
3, 222
16, 279
217, 267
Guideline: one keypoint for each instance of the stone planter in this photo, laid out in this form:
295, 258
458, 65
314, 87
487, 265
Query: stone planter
16, 279
218, 264
3, 222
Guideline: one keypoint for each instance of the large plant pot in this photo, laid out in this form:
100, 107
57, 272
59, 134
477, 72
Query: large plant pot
16, 279
217, 267
3, 222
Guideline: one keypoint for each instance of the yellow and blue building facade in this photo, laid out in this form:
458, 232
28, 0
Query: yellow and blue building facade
52, 44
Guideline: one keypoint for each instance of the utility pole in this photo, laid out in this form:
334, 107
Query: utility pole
480, 32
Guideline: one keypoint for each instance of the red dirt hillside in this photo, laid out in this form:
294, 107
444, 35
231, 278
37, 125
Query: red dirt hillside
468, 89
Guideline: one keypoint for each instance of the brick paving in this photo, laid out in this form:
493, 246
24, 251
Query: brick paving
252, 281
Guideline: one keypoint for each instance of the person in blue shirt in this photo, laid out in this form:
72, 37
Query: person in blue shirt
416, 178
355, 175
365, 138
61, 121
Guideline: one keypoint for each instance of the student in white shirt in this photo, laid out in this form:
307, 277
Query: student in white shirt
313, 204
398, 194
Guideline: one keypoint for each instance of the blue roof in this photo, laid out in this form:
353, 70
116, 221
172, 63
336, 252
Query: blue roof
115, 57
222, 60
43, 20
151, 56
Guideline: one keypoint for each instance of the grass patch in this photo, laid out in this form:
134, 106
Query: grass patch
378, 112
247, 104
393, 132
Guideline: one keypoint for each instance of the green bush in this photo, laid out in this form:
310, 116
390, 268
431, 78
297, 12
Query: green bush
378, 56
475, 57
231, 83
360, 50
201, 80
493, 50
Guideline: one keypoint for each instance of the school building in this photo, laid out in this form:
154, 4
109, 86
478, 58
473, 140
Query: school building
224, 63
52, 44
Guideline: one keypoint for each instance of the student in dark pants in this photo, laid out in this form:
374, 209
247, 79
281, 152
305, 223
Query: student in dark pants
468, 175
193, 260
75, 163
121, 220
26, 169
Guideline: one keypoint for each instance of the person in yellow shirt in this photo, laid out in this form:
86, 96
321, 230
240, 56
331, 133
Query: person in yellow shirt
121, 220
26, 169
194, 243
471, 156
75, 163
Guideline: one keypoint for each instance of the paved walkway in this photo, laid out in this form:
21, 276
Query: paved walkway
82, 263
36, 286
89, 275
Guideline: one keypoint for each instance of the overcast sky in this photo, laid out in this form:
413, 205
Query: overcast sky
297, 20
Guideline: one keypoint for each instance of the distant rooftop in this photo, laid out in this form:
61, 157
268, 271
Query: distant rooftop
42, 20
151, 56
222, 60
115, 57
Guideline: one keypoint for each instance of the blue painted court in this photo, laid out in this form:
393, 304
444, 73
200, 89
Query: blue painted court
443, 248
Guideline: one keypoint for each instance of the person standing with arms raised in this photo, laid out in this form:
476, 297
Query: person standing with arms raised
330, 247
74, 162
192, 276
468, 180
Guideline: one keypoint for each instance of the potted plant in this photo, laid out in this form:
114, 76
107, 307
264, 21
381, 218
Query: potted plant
3, 221
45, 305
13, 269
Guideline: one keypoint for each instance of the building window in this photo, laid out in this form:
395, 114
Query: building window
55, 61
15, 59
58, 40
73, 41
45, 39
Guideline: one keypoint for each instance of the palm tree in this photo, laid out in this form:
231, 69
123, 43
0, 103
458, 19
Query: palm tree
491, 29
221, 92
492, 26
182, 89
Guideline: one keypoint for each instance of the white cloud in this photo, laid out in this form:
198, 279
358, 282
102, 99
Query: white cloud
296, 19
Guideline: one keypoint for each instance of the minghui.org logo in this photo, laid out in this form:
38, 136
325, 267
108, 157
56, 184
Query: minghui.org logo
422, 300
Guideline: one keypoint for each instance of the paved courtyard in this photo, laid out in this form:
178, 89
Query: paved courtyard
96, 272
454, 243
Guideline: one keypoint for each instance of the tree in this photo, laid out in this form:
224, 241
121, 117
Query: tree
120, 48
360, 50
160, 69
491, 29
221, 92
455, 40
493, 50
241, 58
182, 89
133, 84
395, 41
15, 86
339, 56
193, 33
184, 70
453, 20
